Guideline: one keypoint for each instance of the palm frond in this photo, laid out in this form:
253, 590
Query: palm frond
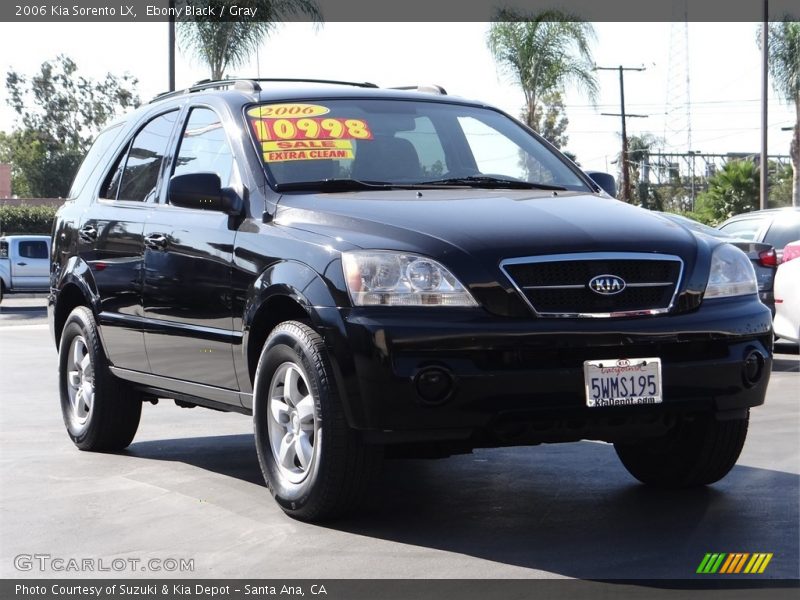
230, 44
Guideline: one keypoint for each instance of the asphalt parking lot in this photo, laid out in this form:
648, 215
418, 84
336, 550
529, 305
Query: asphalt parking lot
189, 487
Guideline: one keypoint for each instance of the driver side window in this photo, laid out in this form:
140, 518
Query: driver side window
204, 147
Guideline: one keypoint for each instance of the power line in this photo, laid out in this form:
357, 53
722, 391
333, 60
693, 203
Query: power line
626, 183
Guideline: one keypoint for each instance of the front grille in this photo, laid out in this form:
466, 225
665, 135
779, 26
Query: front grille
559, 285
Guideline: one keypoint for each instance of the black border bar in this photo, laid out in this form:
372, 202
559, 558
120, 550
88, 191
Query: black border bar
713, 587
406, 10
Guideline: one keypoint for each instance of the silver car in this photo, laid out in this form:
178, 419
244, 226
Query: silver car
24, 264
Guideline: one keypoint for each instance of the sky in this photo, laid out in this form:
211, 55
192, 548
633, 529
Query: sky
723, 61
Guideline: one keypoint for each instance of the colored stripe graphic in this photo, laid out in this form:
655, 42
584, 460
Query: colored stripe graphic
758, 563
711, 562
729, 564
734, 563
741, 562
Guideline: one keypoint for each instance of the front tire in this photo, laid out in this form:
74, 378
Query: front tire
101, 412
314, 464
700, 450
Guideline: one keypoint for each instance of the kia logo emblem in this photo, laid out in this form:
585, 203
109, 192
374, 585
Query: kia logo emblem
607, 285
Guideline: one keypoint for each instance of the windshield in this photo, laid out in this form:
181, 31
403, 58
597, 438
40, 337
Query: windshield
397, 142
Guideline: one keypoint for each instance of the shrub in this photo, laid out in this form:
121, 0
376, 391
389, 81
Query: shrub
26, 219
732, 191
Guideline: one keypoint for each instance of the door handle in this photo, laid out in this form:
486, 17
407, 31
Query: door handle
22, 264
88, 233
156, 241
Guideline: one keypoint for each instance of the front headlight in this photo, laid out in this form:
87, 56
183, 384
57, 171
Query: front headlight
731, 273
382, 277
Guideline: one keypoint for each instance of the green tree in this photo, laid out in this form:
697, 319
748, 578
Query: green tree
733, 190
223, 44
780, 185
58, 114
551, 119
543, 53
639, 149
784, 68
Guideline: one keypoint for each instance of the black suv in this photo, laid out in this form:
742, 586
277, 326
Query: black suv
373, 272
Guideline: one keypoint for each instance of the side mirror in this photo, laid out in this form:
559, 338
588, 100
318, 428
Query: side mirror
203, 191
605, 181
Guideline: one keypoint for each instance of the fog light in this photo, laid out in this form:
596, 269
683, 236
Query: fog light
753, 368
434, 385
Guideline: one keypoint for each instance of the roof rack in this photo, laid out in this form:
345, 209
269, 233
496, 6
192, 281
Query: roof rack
252, 85
428, 88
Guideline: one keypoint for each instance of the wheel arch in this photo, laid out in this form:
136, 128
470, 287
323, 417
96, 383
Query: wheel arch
288, 291
75, 288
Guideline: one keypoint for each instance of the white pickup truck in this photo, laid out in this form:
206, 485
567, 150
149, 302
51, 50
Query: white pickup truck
24, 264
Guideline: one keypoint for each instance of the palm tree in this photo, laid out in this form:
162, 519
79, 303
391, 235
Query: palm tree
639, 149
543, 53
784, 67
222, 44
732, 191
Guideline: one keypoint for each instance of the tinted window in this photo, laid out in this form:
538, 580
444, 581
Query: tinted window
144, 160
111, 184
33, 250
428, 146
784, 229
204, 146
99, 148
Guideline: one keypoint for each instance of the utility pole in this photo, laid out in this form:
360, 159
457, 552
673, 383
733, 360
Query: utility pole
764, 97
171, 44
626, 174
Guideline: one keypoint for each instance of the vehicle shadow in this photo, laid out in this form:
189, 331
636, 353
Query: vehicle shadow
786, 365
786, 358
231, 455
569, 509
22, 310
11, 313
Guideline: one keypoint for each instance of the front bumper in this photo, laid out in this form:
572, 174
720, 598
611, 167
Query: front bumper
507, 372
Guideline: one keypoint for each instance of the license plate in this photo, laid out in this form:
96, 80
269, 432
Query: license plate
622, 382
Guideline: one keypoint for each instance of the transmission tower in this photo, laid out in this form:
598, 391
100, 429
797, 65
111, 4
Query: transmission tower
677, 106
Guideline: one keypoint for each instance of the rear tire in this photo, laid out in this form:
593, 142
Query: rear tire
101, 412
700, 450
314, 464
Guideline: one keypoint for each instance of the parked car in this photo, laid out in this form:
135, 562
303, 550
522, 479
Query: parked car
24, 264
761, 254
775, 226
787, 295
373, 272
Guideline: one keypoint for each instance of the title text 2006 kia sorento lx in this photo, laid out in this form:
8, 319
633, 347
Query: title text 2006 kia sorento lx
369, 271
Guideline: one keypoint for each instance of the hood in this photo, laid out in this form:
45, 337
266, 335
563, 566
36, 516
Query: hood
488, 224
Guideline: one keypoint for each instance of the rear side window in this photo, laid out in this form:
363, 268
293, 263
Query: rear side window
3, 249
784, 229
204, 147
89, 165
111, 184
33, 249
139, 176
745, 229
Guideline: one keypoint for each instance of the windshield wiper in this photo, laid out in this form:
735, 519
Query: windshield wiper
333, 185
485, 181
